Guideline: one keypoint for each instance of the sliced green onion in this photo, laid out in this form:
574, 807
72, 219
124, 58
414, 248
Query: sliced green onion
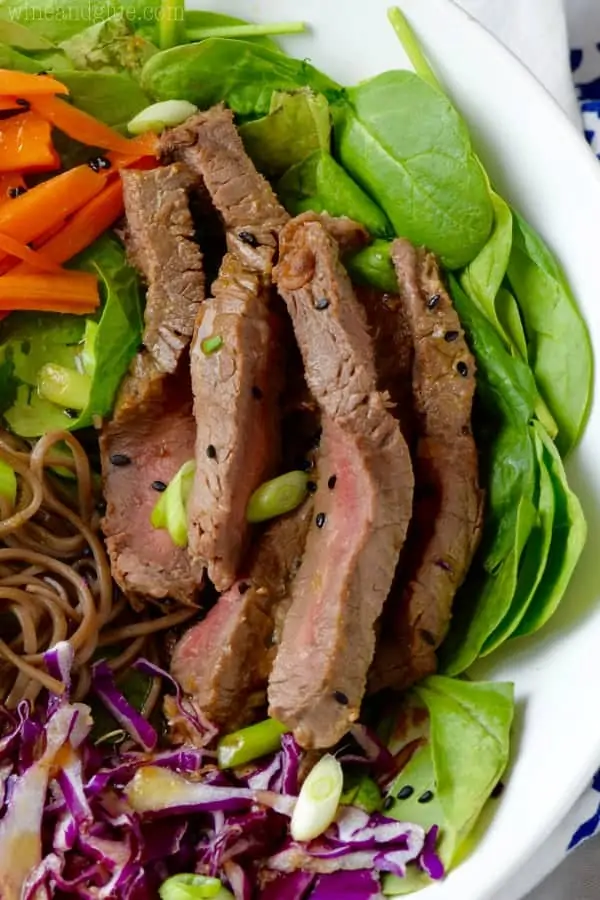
277, 497
8, 483
318, 800
193, 887
170, 512
64, 387
250, 743
158, 116
245, 31
211, 344
171, 28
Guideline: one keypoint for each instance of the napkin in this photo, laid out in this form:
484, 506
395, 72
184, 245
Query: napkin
559, 41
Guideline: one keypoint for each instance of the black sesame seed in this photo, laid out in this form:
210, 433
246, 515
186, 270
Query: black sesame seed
15, 192
244, 587
311, 487
340, 698
98, 163
427, 797
246, 237
23, 103
498, 790
211, 451
307, 465
320, 520
462, 368
321, 303
101, 507
405, 792
465, 430
332, 482
72, 413
120, 459
159, 486
388, 803
257, 393
428, 637
433, 301
451, 336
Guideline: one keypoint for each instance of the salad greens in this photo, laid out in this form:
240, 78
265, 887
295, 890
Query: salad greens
101, 346
109, 46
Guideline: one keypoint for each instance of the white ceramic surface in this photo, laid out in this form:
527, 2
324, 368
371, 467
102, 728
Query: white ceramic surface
543, 166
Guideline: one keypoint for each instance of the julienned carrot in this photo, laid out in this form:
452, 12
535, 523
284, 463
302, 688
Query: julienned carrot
82, 229
69, 292
22, 84
49, 203
8, 103
26, 145
145, 145
35, 259
11, 184
80, 125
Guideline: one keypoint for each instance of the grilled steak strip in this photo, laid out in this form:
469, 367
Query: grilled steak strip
152, 431
363, 504
236, 385
446, 527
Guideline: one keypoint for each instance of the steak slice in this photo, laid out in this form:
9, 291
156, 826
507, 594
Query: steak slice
152, 430
236, 387
447, 523
363, 503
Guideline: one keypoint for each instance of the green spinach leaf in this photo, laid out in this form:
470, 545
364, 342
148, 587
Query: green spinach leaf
407, 146
102, 346
320, 184
569, 535
12, 59
297, 125
109, 46
57, 20
22, 38
242, 74
560, 350
112, 98
373, 266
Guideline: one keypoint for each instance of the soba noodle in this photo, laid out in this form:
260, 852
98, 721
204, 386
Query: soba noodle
55, 579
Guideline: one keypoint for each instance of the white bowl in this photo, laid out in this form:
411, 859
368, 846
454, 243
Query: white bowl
542, 165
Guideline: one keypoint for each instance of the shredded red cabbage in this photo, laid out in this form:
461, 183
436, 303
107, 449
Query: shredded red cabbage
95, 824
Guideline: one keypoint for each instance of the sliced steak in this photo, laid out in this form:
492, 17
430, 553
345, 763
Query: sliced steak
152, 431
225, 660
363, 504
448, 502
236, 384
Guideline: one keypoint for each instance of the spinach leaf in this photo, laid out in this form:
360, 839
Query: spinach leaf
242, 74
297, 125
535, 557
560, 350
568, 540
320, 184
460, 757
373, 266
483, 277
102, 346
509, 317
21, 37
112, 98
407, 146
12, 59
109, 46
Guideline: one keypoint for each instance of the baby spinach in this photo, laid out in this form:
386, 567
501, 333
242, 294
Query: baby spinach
535, 557
560, 350
373, 266
407, 146
21, 37
110, 97
568, 540
297, 125
109, 46
104, 345
239, 73
320, 184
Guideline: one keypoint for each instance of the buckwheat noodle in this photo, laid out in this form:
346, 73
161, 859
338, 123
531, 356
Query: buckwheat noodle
55, 579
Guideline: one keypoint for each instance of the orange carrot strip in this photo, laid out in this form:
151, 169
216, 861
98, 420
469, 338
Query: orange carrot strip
82, 229
34, 258
80, 125
22, 84
8, 103
49, 203
70, 292
9, 182
26, 145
